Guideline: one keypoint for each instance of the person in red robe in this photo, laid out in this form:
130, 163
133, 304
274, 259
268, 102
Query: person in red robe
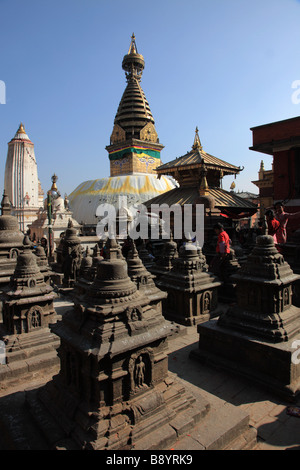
273, 225
223, 243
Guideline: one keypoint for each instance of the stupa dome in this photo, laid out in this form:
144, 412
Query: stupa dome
138, 188
9, 230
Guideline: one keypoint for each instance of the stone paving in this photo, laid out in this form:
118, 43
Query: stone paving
276, 430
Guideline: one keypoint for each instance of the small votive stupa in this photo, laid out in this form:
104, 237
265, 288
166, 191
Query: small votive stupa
164, 263
192, 290
27, 313
255, 337
11, 244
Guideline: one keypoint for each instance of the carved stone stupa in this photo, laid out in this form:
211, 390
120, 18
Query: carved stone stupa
71, 256
27, 312
164, 263
225, 269
192, 291
144, 280
11, 244
114, 390
255, 336
42, 262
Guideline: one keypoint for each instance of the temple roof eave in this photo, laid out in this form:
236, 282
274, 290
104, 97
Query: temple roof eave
175, 170
189, 195
196, 159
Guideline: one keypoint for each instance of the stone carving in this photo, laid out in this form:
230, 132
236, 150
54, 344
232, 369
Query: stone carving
72, 255
140, 372
254, 336
192, 290
27, 313
164, 263
113, 376
224, 269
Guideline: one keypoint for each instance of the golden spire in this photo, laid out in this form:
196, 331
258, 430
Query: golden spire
132, 47
197, 142
21, 129
54, 178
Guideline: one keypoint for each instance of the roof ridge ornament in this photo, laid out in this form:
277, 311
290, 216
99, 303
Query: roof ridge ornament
197, 143
203, 188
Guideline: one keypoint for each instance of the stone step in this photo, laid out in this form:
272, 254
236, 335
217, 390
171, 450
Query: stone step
45, 364
32, 346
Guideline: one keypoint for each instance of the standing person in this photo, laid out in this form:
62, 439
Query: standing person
223, 243
222, 248
273, 224
283, 218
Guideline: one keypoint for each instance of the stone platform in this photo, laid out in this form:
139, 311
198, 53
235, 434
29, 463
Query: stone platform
242, 354
219, 428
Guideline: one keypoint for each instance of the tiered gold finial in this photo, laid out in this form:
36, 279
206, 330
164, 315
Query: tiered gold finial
54, 178
132, 47
197, 143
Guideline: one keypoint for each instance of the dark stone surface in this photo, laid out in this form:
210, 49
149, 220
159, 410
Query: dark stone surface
113, 388
192, 290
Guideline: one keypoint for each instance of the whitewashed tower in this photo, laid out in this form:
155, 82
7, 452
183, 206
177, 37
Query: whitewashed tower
21, 178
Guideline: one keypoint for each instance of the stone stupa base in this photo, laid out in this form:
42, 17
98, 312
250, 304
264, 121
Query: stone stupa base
271, 365
151, 420
187, 320
28, 356
157, 426
227, 293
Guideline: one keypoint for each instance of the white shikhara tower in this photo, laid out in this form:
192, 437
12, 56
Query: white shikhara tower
21, 179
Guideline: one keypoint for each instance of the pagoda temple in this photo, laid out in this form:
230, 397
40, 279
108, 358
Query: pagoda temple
134, 152
200, 175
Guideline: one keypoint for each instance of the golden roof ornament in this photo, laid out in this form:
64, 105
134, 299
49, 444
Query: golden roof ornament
133, 63
21, 129
54, 178
132, 48
197, 143
203, 188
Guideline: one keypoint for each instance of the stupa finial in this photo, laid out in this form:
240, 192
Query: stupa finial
197, 143
132, 48
133, 62
21, 129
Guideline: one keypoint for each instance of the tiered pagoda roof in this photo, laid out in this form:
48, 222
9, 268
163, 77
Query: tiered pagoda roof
200, 174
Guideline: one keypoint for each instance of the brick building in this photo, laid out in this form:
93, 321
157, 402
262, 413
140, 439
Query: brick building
282, 140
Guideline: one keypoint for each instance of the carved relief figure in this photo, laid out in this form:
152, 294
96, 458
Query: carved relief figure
140, 372
206, 302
